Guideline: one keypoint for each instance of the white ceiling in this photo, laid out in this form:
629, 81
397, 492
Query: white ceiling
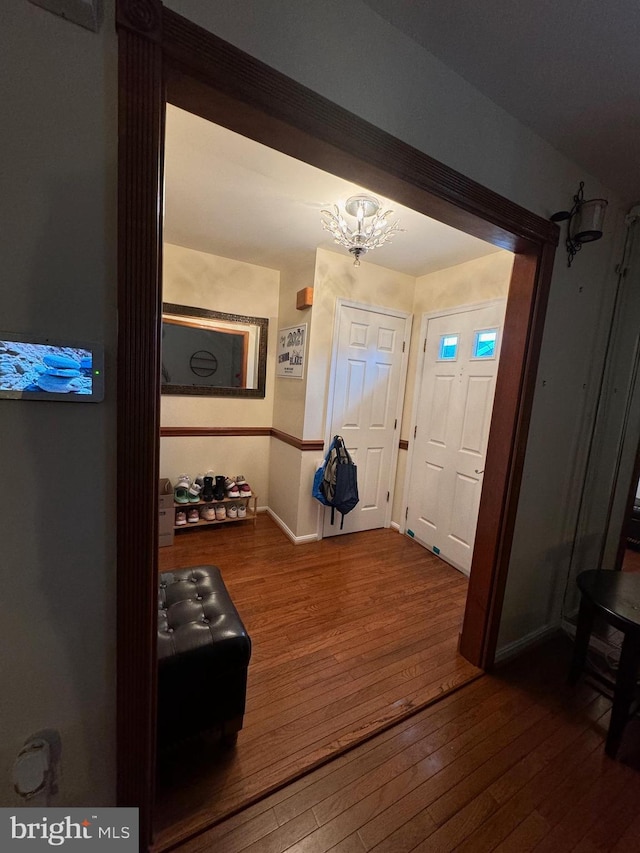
230, 196
568, 69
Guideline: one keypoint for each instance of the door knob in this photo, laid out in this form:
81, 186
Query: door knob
479, 472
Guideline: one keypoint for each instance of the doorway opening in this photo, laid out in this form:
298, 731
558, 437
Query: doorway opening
166, 57
238, 217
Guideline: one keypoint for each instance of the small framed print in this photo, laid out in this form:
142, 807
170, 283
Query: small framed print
291, 351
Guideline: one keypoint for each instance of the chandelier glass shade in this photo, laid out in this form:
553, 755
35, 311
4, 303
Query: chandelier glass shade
370, 230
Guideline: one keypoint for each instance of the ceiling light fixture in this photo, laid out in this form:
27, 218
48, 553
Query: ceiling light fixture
371, 229
585, 222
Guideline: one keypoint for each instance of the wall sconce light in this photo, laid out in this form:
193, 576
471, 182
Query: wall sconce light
585, 222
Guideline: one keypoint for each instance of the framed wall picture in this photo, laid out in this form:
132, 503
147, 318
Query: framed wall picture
291, 350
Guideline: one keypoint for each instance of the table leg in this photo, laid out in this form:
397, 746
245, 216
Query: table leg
583, 632
624, 692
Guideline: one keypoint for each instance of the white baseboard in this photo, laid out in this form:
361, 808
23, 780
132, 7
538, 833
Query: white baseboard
395, 526
297, 540
534, 638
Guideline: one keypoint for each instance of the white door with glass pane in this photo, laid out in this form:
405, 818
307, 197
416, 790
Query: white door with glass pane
455, 390
369, 372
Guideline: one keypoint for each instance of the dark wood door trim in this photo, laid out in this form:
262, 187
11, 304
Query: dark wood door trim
141, 109
201, 73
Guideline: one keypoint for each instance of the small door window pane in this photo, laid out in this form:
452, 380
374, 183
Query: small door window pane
448, 347
484, 344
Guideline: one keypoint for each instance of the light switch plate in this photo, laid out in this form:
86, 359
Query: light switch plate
86, 13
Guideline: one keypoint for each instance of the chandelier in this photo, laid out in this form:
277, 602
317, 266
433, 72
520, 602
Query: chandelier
370, 230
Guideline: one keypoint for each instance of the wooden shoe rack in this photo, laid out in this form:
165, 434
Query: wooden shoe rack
251, 504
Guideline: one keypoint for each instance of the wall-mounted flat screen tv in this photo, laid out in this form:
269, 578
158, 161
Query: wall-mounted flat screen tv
43, 369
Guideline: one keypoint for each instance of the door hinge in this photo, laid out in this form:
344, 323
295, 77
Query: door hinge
395, 424
403, 345
406, 513
387, 497
415, 430
424, 347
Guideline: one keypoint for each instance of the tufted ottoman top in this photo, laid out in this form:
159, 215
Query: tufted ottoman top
197, 616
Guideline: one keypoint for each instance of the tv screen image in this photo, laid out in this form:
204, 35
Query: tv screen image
45, 369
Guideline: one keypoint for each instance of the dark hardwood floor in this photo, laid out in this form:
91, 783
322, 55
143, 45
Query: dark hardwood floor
350, 635
631, 560
512, 762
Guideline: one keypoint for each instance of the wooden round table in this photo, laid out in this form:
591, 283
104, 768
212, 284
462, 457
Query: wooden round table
615, 596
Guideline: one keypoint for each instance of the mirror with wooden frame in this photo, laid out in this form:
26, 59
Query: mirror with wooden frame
211, 353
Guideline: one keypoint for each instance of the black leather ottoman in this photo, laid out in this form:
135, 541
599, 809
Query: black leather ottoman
203, 656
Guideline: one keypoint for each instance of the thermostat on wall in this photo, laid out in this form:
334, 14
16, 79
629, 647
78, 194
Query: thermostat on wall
43, 369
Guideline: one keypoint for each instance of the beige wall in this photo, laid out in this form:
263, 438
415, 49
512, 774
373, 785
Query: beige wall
220, 284
229, 455
290, 394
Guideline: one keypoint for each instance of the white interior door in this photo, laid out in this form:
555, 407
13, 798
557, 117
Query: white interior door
368, 386
453, 415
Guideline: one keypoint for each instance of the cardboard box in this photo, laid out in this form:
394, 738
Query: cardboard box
166, 513
166, 519
165, 494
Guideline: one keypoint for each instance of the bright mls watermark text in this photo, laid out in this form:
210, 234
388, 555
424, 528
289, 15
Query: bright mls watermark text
108, 829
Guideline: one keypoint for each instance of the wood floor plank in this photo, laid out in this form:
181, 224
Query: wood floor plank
337, 785
521, 803
284, 836
525, 836
628, 841
445, 769
458, 815
353, 790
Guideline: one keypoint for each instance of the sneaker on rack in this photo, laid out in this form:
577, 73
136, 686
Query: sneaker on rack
208, 512
231, 488
245, 490
181, 489
194, 492
181, 517
221, 512
242, 511
193, 516
232, 511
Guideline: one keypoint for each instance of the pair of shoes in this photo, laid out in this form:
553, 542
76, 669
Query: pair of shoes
231, 488
242, 511
181, 490
232, 511
208, 513
221, 512
181, 517
243, 487
195, 489
193, 516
